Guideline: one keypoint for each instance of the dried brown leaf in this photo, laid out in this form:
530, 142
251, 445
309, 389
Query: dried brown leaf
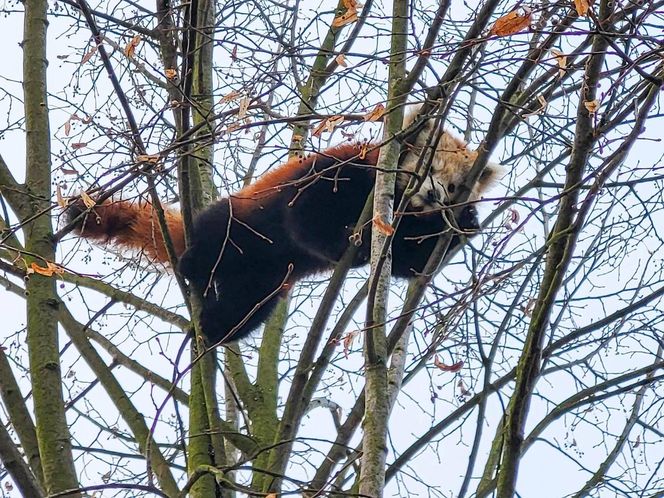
171, 73
327, 125
89, 55
511, 23
348, 17
348, 341
130, 49
148, 158
244, 106
514, 215
592, 106
48, 271
376, 113
455, 367
87, 200
561, 59
582, 6
382, 226
62, 202
230, 97
341, 60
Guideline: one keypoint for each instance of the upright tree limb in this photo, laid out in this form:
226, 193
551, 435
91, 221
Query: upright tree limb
21, 474
561, 242
19, 416
53, 435
377, 406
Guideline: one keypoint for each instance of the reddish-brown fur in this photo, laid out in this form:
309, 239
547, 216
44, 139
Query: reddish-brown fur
134, 225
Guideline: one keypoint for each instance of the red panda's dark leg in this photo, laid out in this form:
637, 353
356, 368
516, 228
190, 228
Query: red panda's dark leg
234, 306
239, 262
414, 242
417, 235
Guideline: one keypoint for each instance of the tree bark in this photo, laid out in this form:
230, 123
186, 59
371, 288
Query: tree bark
53, 435
377, 406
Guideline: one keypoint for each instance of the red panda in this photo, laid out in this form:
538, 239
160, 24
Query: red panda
294, 221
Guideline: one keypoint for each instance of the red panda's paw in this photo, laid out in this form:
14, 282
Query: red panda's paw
468, 220
78, 214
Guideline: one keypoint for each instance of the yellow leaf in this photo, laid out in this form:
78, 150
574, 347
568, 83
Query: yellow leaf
363, 151
48, 271
87, 200
130, 49
382, 226
592, 106
60, 199
511, 23
327, 125
170, 73
582, 6
376, 113
341, 60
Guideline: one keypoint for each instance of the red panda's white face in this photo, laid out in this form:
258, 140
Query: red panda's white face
451, 164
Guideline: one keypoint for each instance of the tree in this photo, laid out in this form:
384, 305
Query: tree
535, 351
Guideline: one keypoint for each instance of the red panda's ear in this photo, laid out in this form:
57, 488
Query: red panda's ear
489, 176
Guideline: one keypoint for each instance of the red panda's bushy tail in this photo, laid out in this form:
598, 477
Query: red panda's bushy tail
129, 225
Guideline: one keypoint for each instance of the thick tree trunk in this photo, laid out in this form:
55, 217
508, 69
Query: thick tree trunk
42, 301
